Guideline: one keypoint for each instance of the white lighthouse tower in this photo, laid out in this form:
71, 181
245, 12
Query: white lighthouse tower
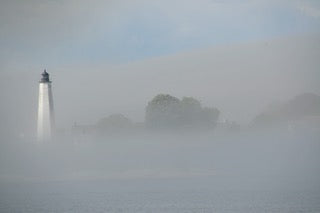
46, 123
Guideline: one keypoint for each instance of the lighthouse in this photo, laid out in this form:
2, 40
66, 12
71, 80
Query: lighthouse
46, 123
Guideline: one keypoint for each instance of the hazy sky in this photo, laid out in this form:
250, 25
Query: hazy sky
113, 56
51, 32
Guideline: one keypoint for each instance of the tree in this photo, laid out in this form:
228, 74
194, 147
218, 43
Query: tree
167, 112
190, 110
163, 111
209, 116
114, 123
300, 107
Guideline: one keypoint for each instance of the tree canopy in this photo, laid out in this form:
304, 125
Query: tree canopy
114, 122
301, 106
165, 112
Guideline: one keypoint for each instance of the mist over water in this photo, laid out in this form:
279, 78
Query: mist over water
238, 172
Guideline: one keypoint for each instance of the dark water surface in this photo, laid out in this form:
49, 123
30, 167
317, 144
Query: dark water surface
140, 197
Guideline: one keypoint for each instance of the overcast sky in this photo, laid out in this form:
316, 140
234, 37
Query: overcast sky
51, 32
114, 56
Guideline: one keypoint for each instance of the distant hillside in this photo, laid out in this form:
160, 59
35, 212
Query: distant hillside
300, 107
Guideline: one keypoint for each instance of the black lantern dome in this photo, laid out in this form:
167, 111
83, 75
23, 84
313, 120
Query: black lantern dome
45, 77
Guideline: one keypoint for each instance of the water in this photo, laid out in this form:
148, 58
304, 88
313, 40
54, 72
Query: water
165, 174
133, 197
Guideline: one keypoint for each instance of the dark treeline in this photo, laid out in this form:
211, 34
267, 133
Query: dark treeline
302, 111
166, 113
163, 113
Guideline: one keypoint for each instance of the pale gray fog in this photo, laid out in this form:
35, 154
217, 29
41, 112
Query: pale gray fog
160, 106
